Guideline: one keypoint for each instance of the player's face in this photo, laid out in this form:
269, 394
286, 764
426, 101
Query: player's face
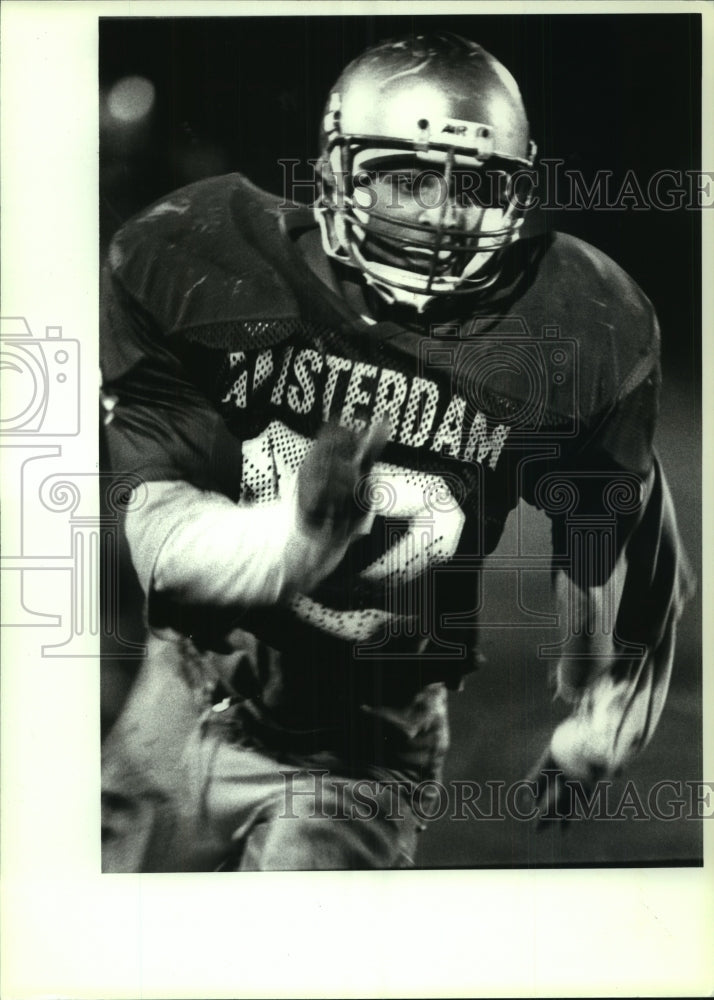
466, 207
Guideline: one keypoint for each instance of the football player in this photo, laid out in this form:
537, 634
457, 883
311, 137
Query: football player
329, 415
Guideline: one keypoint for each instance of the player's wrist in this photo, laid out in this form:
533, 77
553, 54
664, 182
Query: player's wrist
579, 752
313, 547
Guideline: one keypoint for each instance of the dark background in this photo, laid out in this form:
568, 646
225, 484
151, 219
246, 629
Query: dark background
603, 92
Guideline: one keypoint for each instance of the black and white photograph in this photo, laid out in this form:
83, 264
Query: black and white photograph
399, 341
355, 561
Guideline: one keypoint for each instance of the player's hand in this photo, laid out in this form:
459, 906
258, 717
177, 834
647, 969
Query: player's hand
327, 493
556, 791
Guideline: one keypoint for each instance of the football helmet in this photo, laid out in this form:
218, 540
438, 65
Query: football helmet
442, 104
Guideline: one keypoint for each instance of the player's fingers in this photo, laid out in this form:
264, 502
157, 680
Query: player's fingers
372, 443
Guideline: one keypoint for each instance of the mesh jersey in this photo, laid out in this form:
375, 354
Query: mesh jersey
226, 353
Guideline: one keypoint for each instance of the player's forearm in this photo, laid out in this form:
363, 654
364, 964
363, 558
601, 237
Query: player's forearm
589, 614
199, 548
586, 743
615, 700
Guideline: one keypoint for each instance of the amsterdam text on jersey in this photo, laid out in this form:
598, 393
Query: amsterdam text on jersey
305, 382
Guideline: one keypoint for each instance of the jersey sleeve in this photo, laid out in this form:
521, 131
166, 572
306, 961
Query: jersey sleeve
595, 479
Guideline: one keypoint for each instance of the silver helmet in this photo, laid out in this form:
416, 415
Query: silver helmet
435, 101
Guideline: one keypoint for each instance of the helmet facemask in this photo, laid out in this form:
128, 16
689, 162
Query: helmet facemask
437, 256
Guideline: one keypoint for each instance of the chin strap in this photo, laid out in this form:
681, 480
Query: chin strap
398, 296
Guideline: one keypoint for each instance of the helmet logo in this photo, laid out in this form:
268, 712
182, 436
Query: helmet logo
474, 136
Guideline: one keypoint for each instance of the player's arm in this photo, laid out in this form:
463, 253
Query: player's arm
616, 674
622, 610
197, 548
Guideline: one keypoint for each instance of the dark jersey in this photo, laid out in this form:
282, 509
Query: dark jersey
226, 353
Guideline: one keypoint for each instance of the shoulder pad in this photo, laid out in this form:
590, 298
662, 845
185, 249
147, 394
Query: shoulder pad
613, 317
582, 296
210, 254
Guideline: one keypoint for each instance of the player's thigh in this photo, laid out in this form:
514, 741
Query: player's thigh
140, 763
